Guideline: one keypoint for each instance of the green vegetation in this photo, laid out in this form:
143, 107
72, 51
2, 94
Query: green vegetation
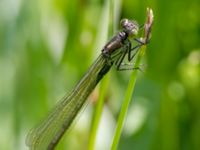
47, 46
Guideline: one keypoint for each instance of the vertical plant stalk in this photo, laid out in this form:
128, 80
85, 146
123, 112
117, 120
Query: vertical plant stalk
114, 11
103, 87
132, 81
98, 113
126, 101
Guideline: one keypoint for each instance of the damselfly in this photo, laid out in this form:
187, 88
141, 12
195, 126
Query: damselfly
50, 131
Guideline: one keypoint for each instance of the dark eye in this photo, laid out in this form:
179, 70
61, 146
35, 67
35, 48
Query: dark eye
124, 23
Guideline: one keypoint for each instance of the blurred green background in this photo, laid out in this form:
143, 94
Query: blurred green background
47, 45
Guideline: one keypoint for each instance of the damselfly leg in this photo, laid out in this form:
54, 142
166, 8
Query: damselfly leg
128, 50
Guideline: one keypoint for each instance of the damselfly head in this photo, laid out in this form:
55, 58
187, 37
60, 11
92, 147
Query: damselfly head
130, 27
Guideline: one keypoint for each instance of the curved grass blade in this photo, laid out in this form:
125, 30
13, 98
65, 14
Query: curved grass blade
131, 85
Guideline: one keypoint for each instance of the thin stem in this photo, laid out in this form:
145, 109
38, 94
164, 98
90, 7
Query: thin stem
103, 86
126, 101
130, 89
98, 113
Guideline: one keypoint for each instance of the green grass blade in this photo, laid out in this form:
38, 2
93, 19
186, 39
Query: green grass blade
126, 101
108, 15
98, 113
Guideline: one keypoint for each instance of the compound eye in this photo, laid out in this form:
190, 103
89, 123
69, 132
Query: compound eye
124, 23
130, 27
